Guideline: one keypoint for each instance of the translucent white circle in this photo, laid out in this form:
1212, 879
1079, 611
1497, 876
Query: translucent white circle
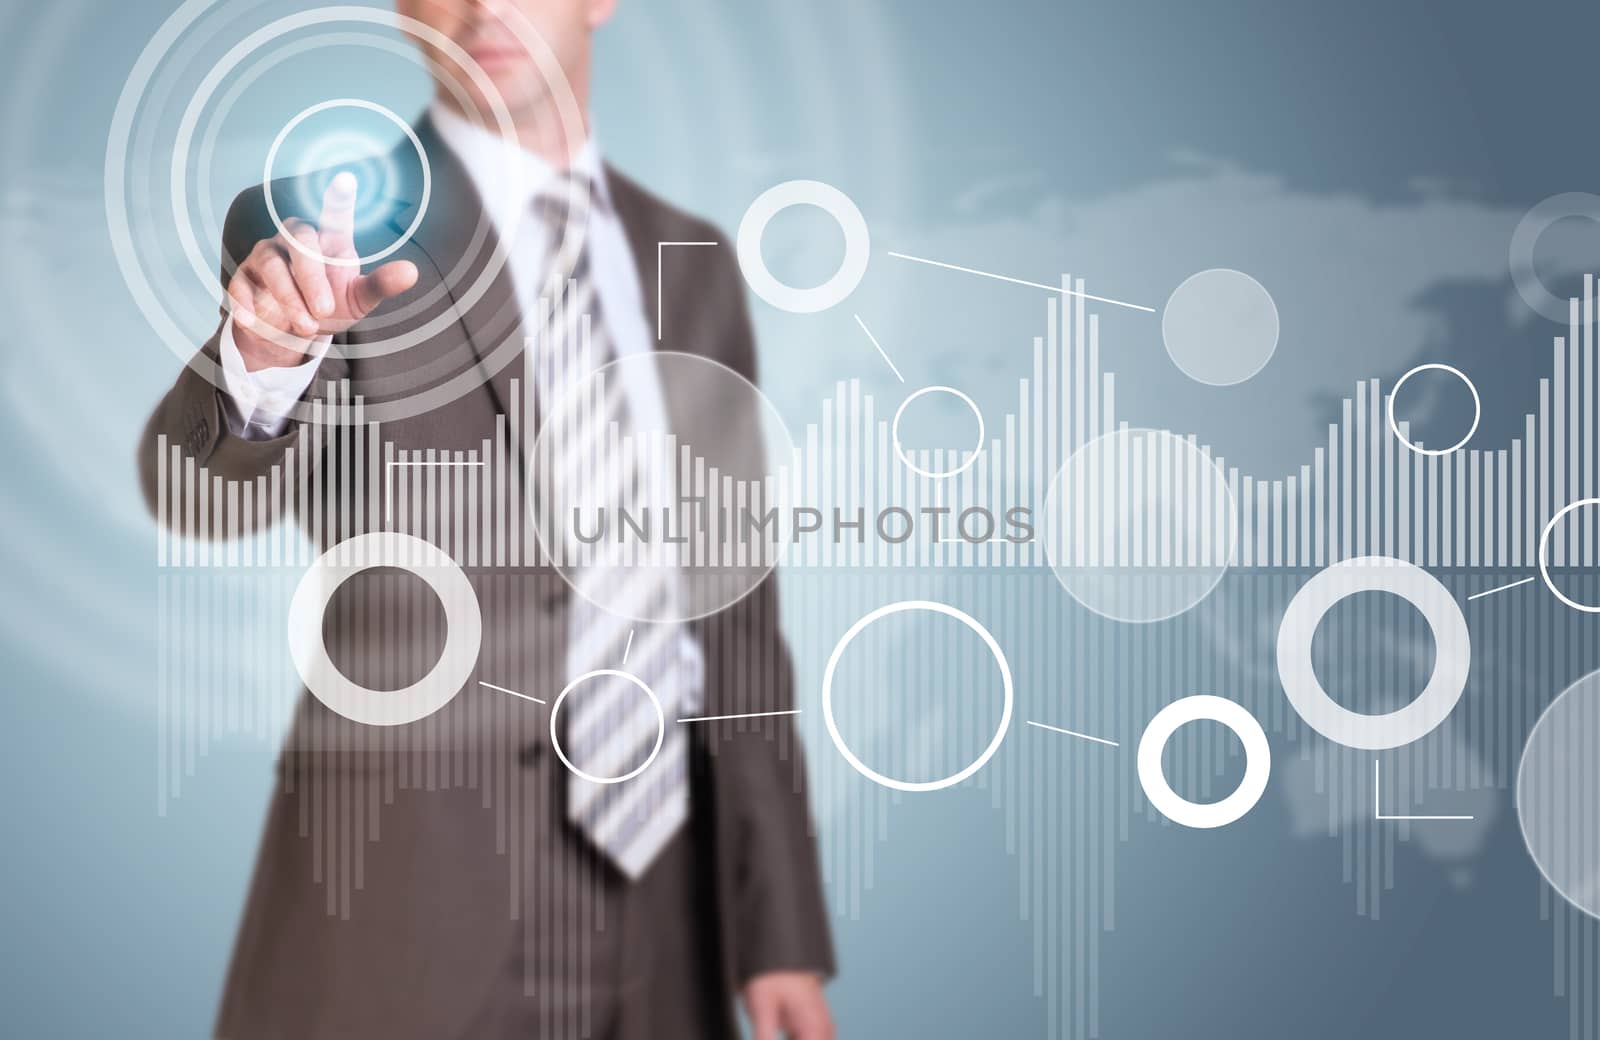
599, 673
1544, 555
1477, 409
684, 493
857, 245
1139, 525
899, 450
1526, 237
1257, 761
463, 629
1558, 794
833, 726
1220, 326
1452, 659
422, 203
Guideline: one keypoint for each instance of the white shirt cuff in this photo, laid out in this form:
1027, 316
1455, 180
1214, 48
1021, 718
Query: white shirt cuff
263, 399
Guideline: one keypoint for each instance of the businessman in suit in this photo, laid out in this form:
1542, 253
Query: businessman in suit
651, 922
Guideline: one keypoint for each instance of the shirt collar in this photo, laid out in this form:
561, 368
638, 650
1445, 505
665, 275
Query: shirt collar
507, 176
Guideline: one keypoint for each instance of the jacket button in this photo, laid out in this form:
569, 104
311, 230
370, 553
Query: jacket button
530, 755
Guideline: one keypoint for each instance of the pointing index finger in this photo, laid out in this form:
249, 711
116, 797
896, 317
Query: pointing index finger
337, 225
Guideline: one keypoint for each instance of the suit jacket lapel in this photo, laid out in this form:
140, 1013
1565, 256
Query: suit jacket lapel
459, 241
634, 211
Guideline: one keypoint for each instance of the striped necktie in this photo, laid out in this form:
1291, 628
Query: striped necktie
610, 727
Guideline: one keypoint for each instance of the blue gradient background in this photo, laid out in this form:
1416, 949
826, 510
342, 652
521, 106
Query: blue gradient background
1366, 161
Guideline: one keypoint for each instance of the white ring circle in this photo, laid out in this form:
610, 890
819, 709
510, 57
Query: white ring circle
833, 727
1544, 562
463, 630
857, 246
661, 725
1477, 409
1526, 237
370, 106
899, 451
1403, 725
1257, 761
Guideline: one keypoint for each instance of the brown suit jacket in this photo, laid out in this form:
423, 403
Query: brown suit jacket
424, 909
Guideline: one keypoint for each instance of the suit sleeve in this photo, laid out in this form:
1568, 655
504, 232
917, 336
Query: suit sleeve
190, 422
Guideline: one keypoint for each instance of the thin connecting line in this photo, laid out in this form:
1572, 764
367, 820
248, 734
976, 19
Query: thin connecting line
750, 715
388, 498
1501, 588
1020, 281
514, 693
1073, 733
625, 649
881, 352
1377, 804
658, 277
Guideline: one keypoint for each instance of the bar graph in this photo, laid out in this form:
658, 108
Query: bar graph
1361, 493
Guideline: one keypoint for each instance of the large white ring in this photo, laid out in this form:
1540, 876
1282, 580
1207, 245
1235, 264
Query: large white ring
1257, 761
833, 727
1477, 409
1452, 656
463, 629
894, 431
422, 203
1544, 556
857, 245
661, 725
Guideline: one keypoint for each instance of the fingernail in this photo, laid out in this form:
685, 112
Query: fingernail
324, 305
306, 326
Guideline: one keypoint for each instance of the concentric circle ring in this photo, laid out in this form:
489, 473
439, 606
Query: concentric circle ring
422, 203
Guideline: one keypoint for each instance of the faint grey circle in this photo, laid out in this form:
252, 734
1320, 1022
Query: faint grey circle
1139, 525
1526, 237
1558, 794
833, 726
832, 201
1220, 326
1452, 658
661, 725
679, 514
463, 634
1477, 409
1544, 555
899, 450
422, 203
1257, 761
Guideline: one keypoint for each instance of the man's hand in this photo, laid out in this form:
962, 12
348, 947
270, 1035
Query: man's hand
788, 1004
284, 295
